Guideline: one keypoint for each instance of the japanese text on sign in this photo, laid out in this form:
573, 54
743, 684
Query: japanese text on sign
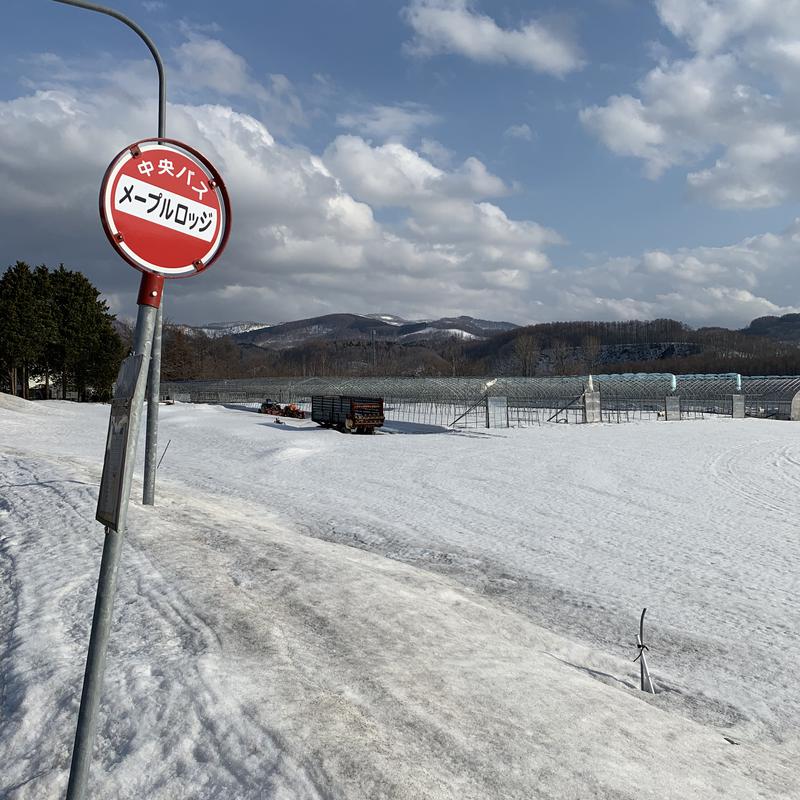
174, 211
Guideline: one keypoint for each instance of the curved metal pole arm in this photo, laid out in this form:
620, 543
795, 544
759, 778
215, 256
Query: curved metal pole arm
162, 81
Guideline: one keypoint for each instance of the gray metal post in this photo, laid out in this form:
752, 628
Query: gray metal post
106, 586
151, 436
155, 371
95, 666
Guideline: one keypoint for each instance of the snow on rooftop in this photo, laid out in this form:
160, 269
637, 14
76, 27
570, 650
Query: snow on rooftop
309, 615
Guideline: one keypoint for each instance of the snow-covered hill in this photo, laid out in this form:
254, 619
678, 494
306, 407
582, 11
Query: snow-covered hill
386, 327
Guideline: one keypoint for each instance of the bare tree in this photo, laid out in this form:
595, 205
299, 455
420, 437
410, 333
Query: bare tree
526, 349
591, 352
560, 352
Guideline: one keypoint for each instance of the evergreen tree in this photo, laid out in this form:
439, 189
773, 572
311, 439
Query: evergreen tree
55, 323
47, 331
22, 311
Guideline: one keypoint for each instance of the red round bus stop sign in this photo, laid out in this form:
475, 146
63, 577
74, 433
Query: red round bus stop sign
164, 208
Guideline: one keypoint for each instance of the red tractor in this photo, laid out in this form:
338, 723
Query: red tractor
277, 410
293, 410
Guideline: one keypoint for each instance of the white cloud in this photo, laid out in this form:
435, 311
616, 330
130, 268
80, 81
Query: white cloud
522, 131
685, 109
436, 152
455, 26
205, 63
388, 122
444, 220
710, 112
210, 64
388, 175
395, 175
703, 285
306, 238
304, 241
709, 26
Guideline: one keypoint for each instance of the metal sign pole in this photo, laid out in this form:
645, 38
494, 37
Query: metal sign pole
115, 515
150, 294
184, 238
151, 436
155, 367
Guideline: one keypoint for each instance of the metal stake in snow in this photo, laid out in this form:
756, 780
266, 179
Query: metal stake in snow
646, 680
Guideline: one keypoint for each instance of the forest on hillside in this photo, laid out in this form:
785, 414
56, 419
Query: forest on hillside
559, 348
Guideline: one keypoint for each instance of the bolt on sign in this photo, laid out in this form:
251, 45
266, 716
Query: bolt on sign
165, 208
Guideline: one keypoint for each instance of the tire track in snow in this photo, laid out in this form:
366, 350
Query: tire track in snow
161, 704
209, 720
34, 657
789, 466
9, 606
733, 470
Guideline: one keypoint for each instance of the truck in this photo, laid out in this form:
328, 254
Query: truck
348, 414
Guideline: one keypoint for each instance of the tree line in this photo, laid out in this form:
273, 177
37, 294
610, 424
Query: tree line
662, 345
56, 335
191, 354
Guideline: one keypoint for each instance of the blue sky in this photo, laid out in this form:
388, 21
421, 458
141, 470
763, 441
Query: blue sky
528, 161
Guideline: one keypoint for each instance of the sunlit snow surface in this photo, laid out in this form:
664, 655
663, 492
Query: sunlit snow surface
307, 614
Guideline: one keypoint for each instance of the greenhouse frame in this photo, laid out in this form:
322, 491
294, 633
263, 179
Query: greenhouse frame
466, 402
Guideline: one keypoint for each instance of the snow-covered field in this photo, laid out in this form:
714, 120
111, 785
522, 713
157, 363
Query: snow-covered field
419, 614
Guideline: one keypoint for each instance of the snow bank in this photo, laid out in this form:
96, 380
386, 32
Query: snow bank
8, 402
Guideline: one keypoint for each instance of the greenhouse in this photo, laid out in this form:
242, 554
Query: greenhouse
466, 402
777, 397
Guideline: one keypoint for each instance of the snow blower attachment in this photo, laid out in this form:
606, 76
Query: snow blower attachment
646, 680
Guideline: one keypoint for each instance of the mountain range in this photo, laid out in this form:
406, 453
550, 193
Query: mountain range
341, 327
385, 344
392, 328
